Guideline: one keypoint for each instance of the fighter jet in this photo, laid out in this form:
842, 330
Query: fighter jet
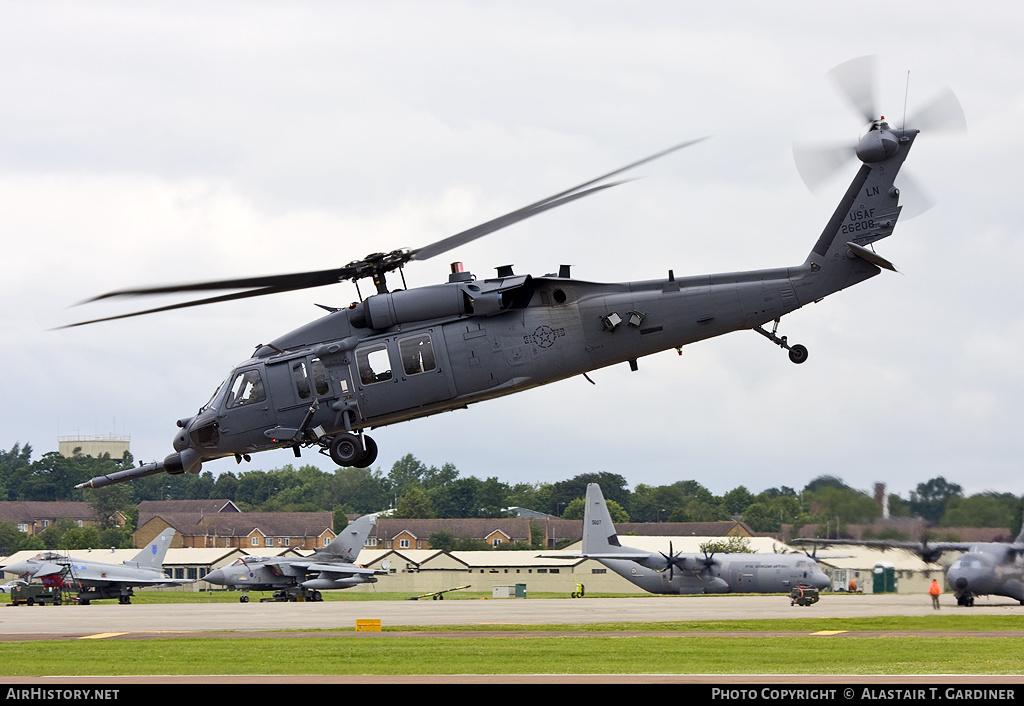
657, 572
95, 580
984, 569
328, 568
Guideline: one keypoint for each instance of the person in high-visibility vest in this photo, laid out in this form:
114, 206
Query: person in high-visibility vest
934, 591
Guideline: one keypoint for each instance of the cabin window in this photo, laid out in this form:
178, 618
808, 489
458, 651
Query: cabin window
374, 364
417, 354
320, 377
246, 388
301, 376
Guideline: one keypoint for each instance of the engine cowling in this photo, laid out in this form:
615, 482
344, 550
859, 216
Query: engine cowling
463, 298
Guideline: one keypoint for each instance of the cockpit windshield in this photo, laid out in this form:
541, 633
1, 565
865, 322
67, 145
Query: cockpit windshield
212, 402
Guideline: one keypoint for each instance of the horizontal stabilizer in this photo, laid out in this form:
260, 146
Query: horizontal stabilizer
871, 256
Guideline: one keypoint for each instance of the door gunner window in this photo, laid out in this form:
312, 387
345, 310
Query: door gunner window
374, 364
246, 388
301, 378
417, 354
300, 375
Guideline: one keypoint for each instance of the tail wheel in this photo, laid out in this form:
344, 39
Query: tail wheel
798, 353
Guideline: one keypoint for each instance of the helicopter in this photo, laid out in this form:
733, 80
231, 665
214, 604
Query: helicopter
402, 354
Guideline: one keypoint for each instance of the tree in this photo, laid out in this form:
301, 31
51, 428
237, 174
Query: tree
770, 511
930, 498
11, 538
14, 465
361, 490
843, 504
407, 472
613, 487
737, 500
982, 510
340, 521
730, 545
54, 477
670, 503
575, 509
438, 477
443, 539
107, 502
414, 504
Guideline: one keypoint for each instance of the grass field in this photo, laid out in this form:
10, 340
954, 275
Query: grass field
529, 649
591, 654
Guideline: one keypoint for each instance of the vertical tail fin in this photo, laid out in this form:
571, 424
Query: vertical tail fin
599, 535
867, 212
153, 555
350, 540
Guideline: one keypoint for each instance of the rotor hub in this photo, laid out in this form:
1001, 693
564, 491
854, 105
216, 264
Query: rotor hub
878, 144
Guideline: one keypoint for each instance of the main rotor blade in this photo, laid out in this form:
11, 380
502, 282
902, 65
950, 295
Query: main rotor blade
184, 305
370, 266
857, 79
300, 280
466, 236
533, 209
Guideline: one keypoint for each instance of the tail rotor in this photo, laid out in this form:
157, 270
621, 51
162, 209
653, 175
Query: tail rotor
857, 81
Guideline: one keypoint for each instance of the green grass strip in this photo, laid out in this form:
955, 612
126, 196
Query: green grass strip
591, 654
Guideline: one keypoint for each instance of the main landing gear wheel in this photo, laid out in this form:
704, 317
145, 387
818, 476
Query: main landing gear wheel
347, 450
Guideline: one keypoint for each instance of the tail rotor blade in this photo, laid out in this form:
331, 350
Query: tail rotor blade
942, 113
817, 164
857, 79
914, 198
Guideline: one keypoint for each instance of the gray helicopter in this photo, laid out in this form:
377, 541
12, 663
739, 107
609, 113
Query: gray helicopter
95, 580
984, 569
410, 353
676, 572
332, 567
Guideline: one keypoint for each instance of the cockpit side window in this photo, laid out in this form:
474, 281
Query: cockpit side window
374, 364
246, 388
417, 354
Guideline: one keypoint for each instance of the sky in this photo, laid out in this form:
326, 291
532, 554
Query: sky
154, 143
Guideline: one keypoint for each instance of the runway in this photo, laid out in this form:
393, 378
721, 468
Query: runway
168, 620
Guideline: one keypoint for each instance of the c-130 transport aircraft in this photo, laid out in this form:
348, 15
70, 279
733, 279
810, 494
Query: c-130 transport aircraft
676, 572
410, 353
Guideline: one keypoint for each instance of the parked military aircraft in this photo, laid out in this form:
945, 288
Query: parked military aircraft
96, 580
675, 572
410, 353
328, 568
985, 569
